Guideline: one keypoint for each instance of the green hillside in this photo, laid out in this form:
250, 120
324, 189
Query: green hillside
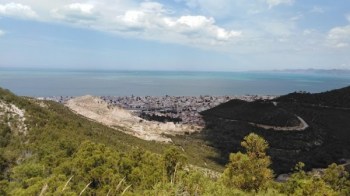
49, 150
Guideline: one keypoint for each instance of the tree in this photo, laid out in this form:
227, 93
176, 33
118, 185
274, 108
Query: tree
250, 171
306, 184
255, 146
173, 161
336, 176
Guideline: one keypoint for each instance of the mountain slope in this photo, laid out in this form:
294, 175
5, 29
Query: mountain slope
324, 139
46, 149
43, 136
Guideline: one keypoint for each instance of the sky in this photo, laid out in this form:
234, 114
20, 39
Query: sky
196, 35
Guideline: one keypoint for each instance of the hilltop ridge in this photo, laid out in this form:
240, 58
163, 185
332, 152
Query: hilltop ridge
338, 98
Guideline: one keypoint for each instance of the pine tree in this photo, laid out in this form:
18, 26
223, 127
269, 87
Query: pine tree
250, 171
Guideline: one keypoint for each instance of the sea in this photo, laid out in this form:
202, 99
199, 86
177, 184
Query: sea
67, 82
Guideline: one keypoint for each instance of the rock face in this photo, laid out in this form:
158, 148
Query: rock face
299, 127
14, 117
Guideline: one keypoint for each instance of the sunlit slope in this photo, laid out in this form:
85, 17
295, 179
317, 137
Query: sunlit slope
33, 128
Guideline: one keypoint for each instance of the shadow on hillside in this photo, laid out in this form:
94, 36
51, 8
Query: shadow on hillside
324, 142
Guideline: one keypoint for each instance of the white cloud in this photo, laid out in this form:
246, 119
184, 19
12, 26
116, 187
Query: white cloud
339, 37
81, 7
200, 27
273, 3
194, 30
17, 10
348, 17
82, 13
133, 18
194, 22
238, 26
2, 33
196, 26
146, 16
148, 20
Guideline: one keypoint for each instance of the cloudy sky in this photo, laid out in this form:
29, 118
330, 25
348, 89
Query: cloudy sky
209, 35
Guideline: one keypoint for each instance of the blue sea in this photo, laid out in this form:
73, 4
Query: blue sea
44, 82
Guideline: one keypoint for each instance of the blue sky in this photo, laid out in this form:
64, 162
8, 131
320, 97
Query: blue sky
206, 35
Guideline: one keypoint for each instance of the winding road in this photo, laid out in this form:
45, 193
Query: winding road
301, 127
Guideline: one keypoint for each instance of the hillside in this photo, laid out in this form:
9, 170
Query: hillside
339, 98
34, 131
325, 138
258, 112
46, 149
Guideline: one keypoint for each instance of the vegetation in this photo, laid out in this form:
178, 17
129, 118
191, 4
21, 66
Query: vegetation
153, 117
336, 98
259, 111
65, 154
324, 141
250, 171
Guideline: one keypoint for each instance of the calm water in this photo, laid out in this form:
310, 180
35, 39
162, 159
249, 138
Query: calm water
157, 83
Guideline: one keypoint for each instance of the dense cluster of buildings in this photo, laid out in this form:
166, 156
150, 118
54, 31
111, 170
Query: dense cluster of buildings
186, 108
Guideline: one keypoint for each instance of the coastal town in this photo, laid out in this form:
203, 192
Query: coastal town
177, 109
